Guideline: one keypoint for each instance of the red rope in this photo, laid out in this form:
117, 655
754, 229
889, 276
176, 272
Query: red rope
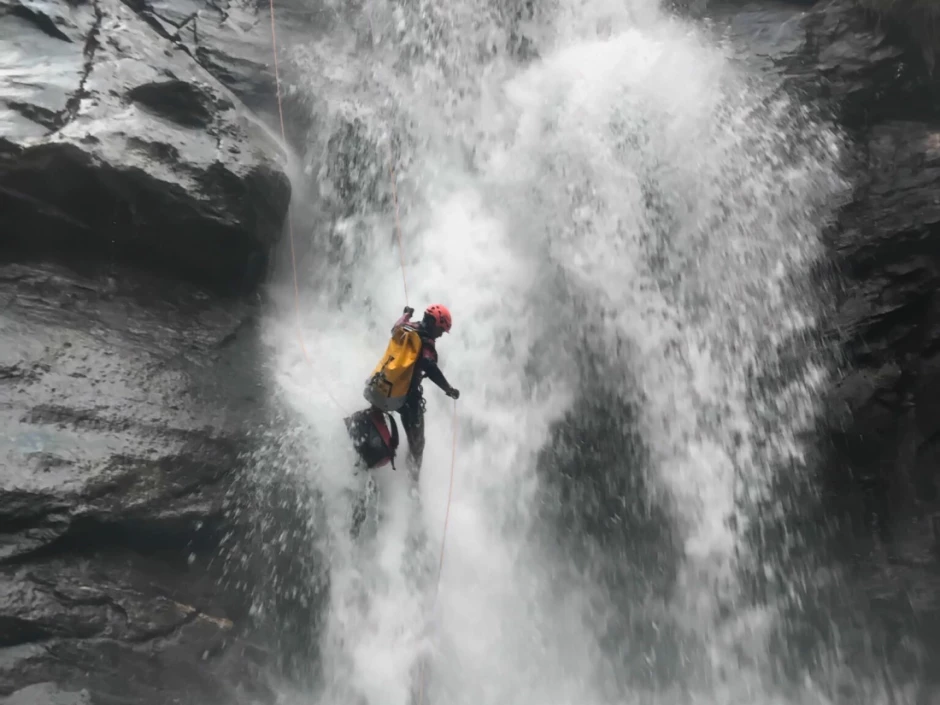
290, 227
440, 565
290, 221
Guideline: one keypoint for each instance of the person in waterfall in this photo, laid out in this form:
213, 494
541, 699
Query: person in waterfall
419, 360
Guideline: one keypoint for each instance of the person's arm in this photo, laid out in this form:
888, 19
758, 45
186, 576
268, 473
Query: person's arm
434, 374
405, 318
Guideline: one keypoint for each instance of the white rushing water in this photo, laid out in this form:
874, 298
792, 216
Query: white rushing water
631, 182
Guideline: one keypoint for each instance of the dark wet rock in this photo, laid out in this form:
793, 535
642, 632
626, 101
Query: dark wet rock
915, 22
95, 625
129, 558
115, 141
765, 33
879, 444
854, 67
128, 403
901, 189
47, 694
884, 246
109, 422
230, 38
835, 57
888, 251
181, 102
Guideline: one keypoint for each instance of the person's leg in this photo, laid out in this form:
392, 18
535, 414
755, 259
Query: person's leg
412, 418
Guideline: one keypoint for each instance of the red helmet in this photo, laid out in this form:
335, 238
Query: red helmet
441, 316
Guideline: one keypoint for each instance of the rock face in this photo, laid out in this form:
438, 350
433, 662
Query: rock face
223, 37
117, 142
890, 253
124, 423
129, 397
135, 187
884, 248
880, 469
887, 255
883, 477
914, 22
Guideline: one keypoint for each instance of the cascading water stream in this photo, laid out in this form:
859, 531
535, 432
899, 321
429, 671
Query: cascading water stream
630, 196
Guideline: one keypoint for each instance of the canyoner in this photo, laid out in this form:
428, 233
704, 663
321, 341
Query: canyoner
395, 386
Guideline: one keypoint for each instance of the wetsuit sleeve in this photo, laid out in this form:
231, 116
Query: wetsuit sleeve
434, 373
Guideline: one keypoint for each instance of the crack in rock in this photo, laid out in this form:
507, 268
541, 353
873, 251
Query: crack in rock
41, 206
179, 27
190, 614
154, 20
91, 46
30, 631
223, 12
94, 599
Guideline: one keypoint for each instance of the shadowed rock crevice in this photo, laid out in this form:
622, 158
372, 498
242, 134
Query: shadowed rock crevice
176, 100
913, 23
40, 19
37, 114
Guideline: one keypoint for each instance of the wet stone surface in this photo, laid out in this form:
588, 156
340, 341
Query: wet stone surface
116, 140
124, 422
127, 401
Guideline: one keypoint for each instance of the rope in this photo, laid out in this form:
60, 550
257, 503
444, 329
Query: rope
453, 458
290, 220
401, 251
450, 492
440, 564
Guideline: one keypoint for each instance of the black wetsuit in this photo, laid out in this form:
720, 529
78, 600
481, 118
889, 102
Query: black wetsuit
412, 413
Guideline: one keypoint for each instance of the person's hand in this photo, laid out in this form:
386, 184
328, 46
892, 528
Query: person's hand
410, 311
453, 393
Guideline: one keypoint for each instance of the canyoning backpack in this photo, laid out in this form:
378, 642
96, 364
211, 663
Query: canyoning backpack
388, 385
374, 436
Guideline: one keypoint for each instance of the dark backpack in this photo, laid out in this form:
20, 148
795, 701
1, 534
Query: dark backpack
374, 439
